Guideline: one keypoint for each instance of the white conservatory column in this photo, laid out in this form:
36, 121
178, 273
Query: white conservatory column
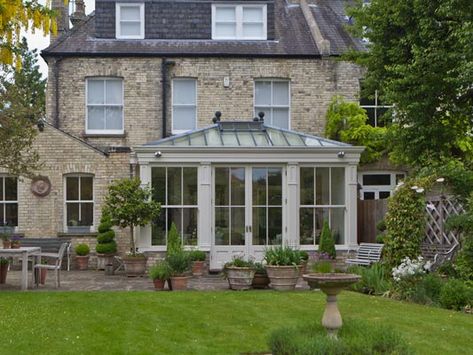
205, 206
292, 206
351, 200
143, 234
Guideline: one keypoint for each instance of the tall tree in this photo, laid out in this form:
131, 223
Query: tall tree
22, 105
420, 57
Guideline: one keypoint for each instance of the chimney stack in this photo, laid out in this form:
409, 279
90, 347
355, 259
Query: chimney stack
79, 14
62, 18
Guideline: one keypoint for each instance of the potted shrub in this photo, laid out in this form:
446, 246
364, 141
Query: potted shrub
6, 240
82, 256
159, 273
3, 270
15, 242
282, 266
261, 279
106, 247
128, 205
327, 250
239, 273
180, 265
198, 262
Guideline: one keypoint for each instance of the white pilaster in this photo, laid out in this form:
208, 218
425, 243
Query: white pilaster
292, 205
205, 206
351, 229
143, 234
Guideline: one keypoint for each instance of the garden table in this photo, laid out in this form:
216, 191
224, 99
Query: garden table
24, 253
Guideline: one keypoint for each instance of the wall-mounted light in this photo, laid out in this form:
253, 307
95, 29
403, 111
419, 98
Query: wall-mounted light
158, 154
341, 154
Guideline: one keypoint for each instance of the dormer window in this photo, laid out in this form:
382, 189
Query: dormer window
130, 21
241, 22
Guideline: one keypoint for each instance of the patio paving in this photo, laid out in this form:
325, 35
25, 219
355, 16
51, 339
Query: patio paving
98, 281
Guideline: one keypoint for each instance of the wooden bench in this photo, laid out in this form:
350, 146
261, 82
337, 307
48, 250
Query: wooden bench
367, 254
50, 245
438, 253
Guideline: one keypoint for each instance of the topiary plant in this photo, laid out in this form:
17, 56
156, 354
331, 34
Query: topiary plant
82, 249
106, 239
174, 241
327, 244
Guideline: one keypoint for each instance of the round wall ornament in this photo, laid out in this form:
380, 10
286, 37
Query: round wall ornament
40, 186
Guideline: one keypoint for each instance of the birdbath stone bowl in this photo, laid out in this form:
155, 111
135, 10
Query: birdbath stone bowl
331, 284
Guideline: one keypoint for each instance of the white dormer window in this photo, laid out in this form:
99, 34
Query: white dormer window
130, 21
243, 22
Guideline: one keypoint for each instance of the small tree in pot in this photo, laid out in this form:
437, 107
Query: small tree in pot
129, 205
180, 264
198, 262
82, 256
159, 273
282, 267
327, 251
239, 273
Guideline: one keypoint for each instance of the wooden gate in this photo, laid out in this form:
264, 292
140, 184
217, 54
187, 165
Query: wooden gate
370, 212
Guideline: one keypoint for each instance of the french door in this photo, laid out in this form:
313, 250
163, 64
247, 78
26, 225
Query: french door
248, 211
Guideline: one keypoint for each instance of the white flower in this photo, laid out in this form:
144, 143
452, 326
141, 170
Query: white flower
415, 187
431, 206
420, 190
441, 179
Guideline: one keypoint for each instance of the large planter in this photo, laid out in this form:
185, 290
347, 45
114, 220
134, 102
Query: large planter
3, 273
104, 259
283, 278
198, 268
179, 283
134, 266
240, 278
15, 245
159, 284
260, 280
82, 262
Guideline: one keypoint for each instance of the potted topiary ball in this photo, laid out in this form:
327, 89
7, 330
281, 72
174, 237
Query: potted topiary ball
159, 273
82, 256
180, 264
198, 262
106, 247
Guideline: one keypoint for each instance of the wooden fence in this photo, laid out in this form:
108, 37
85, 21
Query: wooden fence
370, 212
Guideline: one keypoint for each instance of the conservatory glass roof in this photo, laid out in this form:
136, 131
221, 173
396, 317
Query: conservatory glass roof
244, 134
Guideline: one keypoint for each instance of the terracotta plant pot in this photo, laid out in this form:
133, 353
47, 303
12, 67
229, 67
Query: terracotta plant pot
198, 268
179, 283
3, 273
82, 262
260, 280
283, 278
15, 245
159, 284
42, 276
6, 244
134, 266
240, 278
104, 259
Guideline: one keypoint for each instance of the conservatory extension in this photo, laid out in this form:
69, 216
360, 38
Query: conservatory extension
237, 187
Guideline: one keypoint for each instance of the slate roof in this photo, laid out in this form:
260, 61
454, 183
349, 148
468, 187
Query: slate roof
292, 38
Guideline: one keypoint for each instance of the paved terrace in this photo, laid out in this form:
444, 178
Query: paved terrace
98, 281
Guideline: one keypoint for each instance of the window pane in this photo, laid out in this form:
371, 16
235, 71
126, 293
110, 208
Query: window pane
281, 93
227, 14
306, 227
86, 184
221, 226
384, 194
183, 118
190, 186
259, 187
238, 226
87, 214
130, 29
238, 186
72, 188
11, 214
252, 14
11, 189
275, 225
338, 186
281, 118
158, 229
263, 93
113, 92
226, 30
158, 183
95, 117
275, 186
190, 226
337, 221
184, 92
259, 226
321, 215
113, 118
368, 196
2, 197
377, 179
174, 186
72, 214
253, 30
130, 13
95, 92
322, 186
307, 186
221, 187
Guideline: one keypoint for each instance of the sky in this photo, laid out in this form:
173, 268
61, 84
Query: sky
39, 41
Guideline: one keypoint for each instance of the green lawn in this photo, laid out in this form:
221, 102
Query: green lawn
201, 322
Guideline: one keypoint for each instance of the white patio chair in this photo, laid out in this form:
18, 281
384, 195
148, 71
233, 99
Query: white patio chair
56, 266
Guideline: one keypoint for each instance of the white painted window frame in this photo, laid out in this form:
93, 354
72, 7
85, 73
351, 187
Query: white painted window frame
376, 189
376, 106
66, 201
5, 202
239, 21
272, 106
104, 131
179, 131
118, 22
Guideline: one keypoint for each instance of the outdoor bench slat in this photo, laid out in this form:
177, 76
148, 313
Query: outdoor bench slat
367, 254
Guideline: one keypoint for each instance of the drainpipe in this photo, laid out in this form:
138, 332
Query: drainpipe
164, 73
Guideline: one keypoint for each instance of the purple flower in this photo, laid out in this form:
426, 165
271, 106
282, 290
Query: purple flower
16, 238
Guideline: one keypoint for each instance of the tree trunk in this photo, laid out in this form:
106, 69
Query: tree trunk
133, 248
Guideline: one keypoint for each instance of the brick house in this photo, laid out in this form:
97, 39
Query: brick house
133, 90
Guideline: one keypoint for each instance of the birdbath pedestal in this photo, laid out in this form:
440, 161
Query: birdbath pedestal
331, 284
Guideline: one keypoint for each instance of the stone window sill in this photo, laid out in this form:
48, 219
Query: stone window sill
122, 135
79, 235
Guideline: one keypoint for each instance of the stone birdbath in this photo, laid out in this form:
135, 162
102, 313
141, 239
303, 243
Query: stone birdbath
331, 284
